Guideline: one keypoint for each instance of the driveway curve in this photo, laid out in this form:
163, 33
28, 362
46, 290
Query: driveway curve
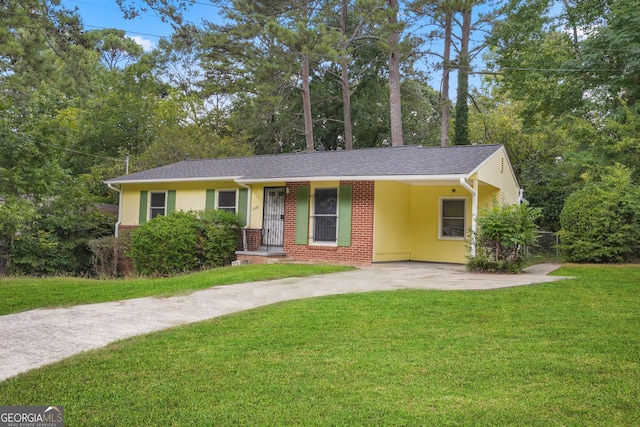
39, 337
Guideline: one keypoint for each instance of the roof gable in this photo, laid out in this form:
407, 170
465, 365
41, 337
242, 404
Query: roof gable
410, 160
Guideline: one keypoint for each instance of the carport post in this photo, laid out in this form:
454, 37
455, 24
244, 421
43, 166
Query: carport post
474, 210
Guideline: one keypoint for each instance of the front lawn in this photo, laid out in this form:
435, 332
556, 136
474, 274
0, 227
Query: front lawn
27, 293
564, 353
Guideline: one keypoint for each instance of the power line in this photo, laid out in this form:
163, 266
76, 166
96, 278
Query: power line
81, 153
558, 70
127, 31
140, 13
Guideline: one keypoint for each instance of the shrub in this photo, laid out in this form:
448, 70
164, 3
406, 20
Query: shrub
219, 237
503, 235
166, 245
109, 255
56, 242
184, 241
600, 222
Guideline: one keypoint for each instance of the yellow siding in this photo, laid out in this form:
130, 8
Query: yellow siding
486, 195
130, 206
425, 243
392, 222
497, 172
190, 196
406, 221
257, 202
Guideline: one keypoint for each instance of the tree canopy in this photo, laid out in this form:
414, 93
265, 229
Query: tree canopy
560, 88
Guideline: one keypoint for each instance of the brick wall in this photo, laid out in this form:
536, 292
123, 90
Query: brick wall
254, 239
126, 227
361, 250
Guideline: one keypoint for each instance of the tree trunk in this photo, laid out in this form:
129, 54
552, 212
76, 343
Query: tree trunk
444, 93
344, 77
461, 136
574, 30
395, 105
346, 105
306, 105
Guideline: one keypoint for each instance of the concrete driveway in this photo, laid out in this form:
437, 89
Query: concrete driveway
36, 338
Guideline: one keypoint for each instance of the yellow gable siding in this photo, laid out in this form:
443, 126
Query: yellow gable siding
392, 222
497, 172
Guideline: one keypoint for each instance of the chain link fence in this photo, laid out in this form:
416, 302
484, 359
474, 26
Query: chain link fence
546, 247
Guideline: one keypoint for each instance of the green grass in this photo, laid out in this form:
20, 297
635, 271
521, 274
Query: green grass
25, 293
565, 353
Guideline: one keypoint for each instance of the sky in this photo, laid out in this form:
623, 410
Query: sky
146, 29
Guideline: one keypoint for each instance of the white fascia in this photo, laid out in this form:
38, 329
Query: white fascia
411, 178
162, 181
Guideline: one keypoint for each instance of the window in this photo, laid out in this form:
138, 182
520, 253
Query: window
452, 218
325, 215
227, 200
158, 204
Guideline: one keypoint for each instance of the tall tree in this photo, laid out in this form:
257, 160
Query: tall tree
46, 66
445, 103
576, 94
114, 47
456, 26
395, 29
344, 74
461, 134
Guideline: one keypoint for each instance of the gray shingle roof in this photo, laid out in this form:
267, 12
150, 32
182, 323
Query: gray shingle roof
410, 160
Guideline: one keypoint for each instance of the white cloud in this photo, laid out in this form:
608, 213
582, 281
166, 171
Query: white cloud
146, 44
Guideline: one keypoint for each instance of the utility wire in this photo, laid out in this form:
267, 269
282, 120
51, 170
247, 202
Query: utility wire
84, 154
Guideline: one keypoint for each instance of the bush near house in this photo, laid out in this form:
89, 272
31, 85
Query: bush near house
600, 222
184, 241
109, 257
49, 237
502, 238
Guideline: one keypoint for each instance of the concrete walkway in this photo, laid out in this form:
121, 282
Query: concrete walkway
36, 338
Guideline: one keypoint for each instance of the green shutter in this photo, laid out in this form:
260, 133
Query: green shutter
344, 215
243, 201
302, 215
210, 200
171, 201
142, 218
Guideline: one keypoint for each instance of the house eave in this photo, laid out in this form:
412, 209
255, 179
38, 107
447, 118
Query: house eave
407, 179
400, 178
170, 180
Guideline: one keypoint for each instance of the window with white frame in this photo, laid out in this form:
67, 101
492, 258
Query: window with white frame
157, 204
325, 215
227, 200
453, 218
